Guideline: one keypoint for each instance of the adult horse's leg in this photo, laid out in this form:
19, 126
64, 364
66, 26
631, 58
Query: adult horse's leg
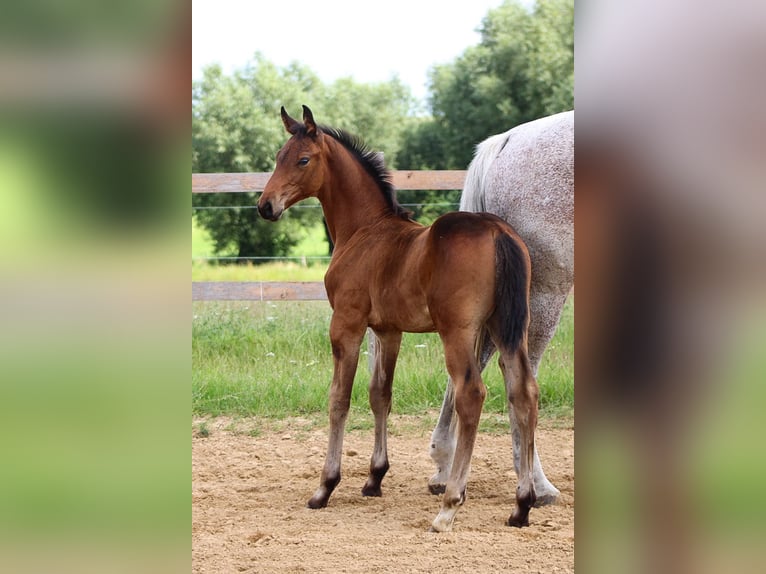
544, 316
545, 313
522, 392
345, 336
382, 377
443, 438
469, 397
443, 442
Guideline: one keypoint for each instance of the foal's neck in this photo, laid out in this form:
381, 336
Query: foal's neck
350, 197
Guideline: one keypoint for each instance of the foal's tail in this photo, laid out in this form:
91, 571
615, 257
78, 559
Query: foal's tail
511, 316
472, 198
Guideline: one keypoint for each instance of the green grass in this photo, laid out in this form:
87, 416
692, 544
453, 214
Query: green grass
273, 359
202, 243
276, 271
556, 373
313, 244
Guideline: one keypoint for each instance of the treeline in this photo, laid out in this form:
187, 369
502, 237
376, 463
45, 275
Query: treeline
522, 69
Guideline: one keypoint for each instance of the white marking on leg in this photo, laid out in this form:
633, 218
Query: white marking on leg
443, 441
444, 520
545, 491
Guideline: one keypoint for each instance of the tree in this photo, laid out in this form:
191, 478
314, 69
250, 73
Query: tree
236, 127
379, 113
522, 69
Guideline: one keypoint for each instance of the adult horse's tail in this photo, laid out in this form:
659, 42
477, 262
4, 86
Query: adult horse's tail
472, 198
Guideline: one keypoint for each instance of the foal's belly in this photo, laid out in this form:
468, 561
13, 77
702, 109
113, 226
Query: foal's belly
401, 315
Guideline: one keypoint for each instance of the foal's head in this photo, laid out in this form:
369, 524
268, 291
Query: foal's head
299, 172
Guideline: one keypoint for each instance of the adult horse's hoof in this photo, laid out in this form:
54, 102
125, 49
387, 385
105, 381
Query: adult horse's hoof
546, 499
437, 488
440, 525
546, 493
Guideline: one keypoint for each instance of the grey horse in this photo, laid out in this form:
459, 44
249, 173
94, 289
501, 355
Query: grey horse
525, 176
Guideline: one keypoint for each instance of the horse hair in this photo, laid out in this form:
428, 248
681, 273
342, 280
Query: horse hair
372, 162
511, 292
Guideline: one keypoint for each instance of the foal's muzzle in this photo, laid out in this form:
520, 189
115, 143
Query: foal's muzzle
267, 211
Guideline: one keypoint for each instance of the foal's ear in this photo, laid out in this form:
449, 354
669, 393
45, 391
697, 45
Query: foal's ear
291, 125
308, 121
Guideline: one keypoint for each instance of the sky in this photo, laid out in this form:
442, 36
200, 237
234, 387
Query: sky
371, 42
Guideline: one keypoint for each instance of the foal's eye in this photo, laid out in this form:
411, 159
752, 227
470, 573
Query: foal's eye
303, 161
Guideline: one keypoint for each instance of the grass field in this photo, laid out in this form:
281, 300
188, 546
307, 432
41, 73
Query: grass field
273, 359
312, 246
278, 271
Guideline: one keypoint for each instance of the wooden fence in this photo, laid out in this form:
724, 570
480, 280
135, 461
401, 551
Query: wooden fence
292, 291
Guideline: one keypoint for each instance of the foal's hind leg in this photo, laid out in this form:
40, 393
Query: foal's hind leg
522, 392
443, 438
469, 398
382, 377
545, 312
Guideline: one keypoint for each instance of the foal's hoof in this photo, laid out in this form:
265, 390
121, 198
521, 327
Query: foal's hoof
437, 488
315, 503
518, 522
371, 491
520, 516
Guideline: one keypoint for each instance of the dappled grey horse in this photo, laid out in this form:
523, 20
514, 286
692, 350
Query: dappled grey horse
526, 176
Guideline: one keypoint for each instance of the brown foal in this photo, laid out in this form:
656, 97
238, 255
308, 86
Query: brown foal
467, 277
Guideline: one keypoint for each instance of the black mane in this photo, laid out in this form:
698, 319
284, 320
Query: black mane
373, 164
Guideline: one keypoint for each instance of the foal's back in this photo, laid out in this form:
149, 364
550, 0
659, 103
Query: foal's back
409, 277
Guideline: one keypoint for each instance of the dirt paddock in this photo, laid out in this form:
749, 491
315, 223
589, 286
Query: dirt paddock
249, 510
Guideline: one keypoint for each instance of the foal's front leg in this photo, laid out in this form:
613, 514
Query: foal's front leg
381, 380
345, 338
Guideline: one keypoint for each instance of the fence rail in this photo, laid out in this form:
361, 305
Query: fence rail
441, 180
250, 182
258, 291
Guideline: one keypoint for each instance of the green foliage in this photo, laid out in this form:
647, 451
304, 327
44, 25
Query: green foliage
522, 69
423, 147
236, 127
379, 113
426, 205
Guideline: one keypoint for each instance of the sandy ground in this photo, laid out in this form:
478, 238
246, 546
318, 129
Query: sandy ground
249, 495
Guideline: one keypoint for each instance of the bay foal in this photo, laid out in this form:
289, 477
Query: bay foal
467, 277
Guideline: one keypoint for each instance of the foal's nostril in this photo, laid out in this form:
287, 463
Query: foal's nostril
266, 211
